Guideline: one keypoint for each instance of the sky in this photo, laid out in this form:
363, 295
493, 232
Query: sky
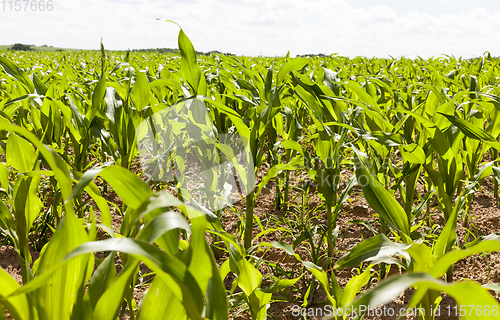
263, 27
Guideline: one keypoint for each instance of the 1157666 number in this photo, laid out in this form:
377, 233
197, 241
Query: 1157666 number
472, 310
27, 5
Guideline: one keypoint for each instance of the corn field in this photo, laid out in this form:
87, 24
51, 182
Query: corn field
142, 172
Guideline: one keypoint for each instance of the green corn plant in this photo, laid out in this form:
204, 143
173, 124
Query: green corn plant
293, 134
184, 132
380, 199
262, 123
66, 256
249, 280
329, 134
466, 294
261, 117
22, 197
474, 149
426, 264
336, 297
47, 297
419, 257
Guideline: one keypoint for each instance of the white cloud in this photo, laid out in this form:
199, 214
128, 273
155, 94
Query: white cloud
259, 27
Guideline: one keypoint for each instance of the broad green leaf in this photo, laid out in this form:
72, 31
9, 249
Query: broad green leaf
322, 277
294, 145
380, 199
354, 286
189, 66
20, 154
259, 302
216, 300
56, 298
102, 278
371, 249
11, 69
423, 260
249, 278
161, 200
280, 285
161, 224
140, 92
18, 305
466, 293
198, 254
161, 303
109, 303
412, 153
292, 65
132, 190
167, 267
473, 132
449, 259
97, 100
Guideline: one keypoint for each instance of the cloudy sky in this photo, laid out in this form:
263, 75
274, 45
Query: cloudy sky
264, 27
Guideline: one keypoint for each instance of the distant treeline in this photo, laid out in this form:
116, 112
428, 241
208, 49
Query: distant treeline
22, 47
31, 47
311, 55
176, 51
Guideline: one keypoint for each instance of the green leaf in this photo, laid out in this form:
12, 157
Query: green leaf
11, 69
167, 266
161, 224
20, 154
249, 278
472, 131
161, 303
58, 166
56, 298
446, 261
18, 305
354, 286
280, 285
412, 153
423, 260
467, 293
97, 100
189, 66
102, 278
380, 199
132, 190
198, 254
371, 249
108, 305
322, 277
217, 304
40, 87
161, 200
292, 65
294, 145
140, 92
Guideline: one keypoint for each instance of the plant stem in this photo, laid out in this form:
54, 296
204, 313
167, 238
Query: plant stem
449, 275
495, 182
330, 227
250, 198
